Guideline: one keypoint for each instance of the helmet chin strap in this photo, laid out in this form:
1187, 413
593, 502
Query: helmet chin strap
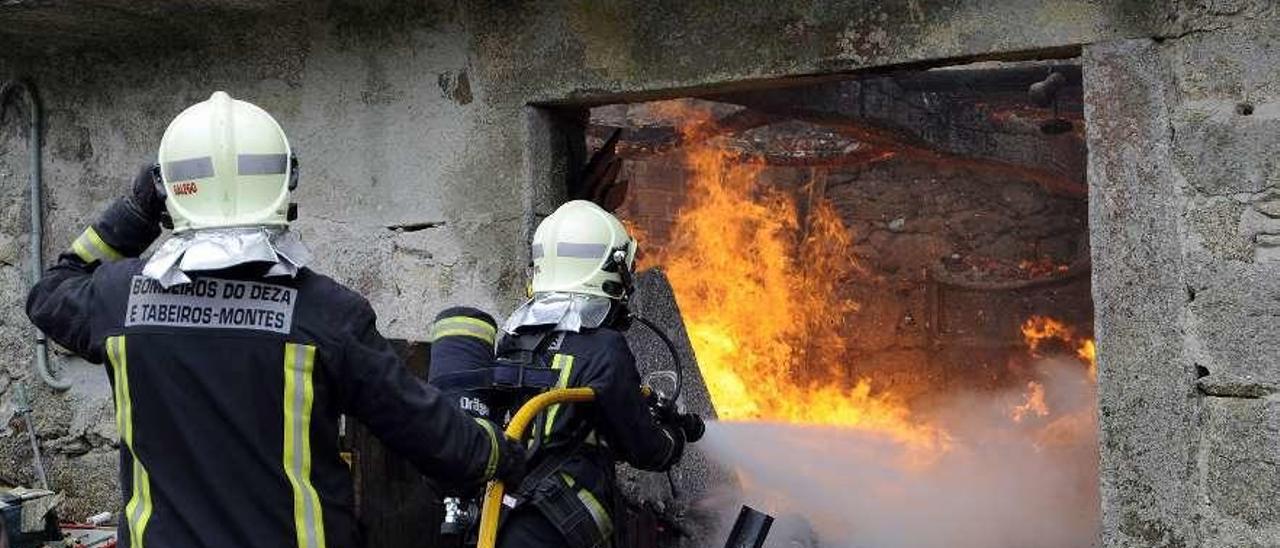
619, 258
620, 315
292, 212
617, 262
165, 220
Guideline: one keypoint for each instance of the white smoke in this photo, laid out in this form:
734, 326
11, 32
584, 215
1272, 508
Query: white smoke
1031, 483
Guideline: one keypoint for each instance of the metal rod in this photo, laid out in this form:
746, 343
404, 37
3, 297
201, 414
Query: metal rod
24, 409
34, 146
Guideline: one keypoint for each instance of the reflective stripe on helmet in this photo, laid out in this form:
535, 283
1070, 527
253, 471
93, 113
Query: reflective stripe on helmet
463, 326
186, 170
581, 251
299, 395
262, 164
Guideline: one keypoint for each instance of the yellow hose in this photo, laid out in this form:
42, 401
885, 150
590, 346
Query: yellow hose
492, 506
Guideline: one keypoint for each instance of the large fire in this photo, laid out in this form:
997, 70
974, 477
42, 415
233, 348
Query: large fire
758, 289
756, 292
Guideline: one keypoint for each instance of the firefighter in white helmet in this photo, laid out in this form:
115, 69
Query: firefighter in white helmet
582, 249
571, 327
231, 360
227, 163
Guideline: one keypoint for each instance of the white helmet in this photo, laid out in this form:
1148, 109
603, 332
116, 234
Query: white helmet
581, 248
226, 163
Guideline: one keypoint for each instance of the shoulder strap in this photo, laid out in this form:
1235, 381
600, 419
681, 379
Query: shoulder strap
515, 369
499, 376
524, 347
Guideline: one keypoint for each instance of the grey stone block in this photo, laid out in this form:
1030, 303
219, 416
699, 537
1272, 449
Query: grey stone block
1147, 402
1240, 467
1221, 153
1232, 323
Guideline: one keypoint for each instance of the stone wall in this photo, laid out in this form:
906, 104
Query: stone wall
416, 115
955, 261
1182, 137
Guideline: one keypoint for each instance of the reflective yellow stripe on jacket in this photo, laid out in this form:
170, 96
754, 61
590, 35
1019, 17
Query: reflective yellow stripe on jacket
299, 395
564, 363
90, 247
597, 511
138, 510
463, 326
491, 466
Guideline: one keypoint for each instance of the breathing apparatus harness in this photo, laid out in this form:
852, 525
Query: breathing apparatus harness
516, 373
520, 372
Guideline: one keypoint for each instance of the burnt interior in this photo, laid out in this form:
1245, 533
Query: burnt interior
963, 189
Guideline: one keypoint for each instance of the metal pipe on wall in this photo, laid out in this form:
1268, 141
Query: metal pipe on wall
34, 145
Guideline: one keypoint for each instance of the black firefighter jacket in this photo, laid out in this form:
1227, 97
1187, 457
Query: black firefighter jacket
228, 393
577, 445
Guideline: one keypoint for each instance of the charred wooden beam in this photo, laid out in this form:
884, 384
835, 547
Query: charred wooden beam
595, 181
956, 129
987, 80
643, 140
864, 156
861, 155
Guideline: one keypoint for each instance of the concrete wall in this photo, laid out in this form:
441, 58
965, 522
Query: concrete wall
413, 113
389, 131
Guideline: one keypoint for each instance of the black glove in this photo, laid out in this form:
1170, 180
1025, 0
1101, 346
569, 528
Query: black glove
663, 411
144, 198
512, 462
692, 426
689, 424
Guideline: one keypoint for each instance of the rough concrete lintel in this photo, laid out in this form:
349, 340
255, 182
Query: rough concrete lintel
660, 90
715, 84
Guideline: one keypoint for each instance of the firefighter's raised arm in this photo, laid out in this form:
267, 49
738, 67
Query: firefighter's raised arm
59, 303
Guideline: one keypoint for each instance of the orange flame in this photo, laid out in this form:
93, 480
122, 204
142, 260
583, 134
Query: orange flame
756, 286
1062, 429
1039, 329
1034, 403
1088, 352
758, 283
